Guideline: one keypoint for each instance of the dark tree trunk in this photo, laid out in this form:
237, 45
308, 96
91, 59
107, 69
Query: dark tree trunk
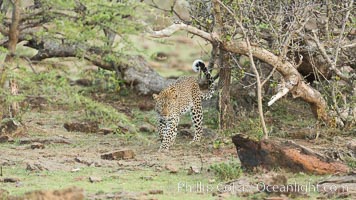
13, 40
226, 116
14, 28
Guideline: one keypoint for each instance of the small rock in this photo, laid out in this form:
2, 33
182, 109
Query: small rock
211, 181
106, 131
148, 128
82, 82
171, 169
119, 155
124, 129
147, 178
5, 138
37, 145
352, 145
155, 192
146, 106
94, 179
75, 170
18, 184
9, 180
83, 161
40, 123
35, 167
224, 195
9, 125
193, 170
86, 127
158, 169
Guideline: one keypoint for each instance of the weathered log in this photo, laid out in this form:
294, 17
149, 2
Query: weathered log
145, 80
270, 154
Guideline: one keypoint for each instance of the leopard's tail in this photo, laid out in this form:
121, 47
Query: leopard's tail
198, 65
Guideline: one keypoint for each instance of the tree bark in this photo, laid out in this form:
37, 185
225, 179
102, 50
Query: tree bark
226, 116
224, 102
14, 28
13, 40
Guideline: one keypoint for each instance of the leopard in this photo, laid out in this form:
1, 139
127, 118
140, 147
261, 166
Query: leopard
182, 96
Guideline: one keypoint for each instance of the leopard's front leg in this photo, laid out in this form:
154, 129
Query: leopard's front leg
162, 128
170, 134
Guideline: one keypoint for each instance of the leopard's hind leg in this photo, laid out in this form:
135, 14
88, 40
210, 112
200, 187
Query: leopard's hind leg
197, 118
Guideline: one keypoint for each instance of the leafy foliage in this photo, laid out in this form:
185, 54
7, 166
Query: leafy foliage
227, 171
87, 23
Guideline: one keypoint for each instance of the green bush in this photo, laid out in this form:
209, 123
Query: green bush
351, 162
227, 171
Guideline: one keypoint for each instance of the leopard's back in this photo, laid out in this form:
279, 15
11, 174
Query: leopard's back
188, 92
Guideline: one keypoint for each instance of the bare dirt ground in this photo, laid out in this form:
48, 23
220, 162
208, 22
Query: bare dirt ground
50, 151
45, 156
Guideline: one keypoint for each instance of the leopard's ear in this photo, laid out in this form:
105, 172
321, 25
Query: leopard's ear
155, 97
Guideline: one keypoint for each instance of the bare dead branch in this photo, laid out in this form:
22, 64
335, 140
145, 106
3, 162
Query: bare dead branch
279, 95
269, 76
342, 34
349, 46
177, 27
328, 60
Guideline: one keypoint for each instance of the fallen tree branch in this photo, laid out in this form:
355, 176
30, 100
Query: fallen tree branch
176, 27
279, 95
270, 154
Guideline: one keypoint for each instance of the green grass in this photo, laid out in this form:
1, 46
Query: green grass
174, 186
60, 95
293, 113
189, 48
250, 126
178, 186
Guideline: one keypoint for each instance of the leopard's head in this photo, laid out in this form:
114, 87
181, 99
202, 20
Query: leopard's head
166, 102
